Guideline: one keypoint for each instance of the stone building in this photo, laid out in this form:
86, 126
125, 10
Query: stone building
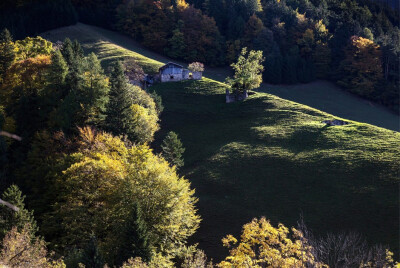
172, 72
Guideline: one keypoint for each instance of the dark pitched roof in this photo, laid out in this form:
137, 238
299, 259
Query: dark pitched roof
169, 64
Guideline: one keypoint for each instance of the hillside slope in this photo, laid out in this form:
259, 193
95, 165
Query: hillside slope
321, 95
269, 157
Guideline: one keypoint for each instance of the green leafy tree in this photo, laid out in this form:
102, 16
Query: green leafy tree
142, 124
10, 218
172, 149
176, 45
31, 47
7, 52
248, 71
252, 29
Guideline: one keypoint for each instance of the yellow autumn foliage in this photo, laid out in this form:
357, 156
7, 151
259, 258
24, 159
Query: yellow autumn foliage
106, 178
262, 245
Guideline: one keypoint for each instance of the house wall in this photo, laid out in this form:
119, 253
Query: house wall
197, 75
172, 74
171, 77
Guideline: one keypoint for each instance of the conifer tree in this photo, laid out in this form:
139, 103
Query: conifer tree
94, 92
289, 69
119, 104
134, 241
58, 69
10, 218
3, 146
173, 149
67, 51
7, 54
77, 49
91, 256
322, 59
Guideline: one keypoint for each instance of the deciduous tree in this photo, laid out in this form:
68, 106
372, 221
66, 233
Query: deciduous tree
248, 71
106, 178
262, 245
362, 67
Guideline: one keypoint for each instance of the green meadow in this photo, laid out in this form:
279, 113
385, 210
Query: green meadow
271, 157
268, 156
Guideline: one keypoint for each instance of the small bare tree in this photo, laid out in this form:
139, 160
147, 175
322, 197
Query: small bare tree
346, 250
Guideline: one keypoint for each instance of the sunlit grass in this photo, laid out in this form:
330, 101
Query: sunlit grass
273, 157
268, 156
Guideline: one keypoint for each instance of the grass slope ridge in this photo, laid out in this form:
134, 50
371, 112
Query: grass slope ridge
273, 157
322, 95
268, 156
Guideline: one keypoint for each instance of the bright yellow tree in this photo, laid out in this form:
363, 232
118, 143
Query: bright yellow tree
362, 67
103, 181
263, 245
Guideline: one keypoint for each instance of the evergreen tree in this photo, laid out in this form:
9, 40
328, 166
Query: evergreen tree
322, 60
118, 109
7, 53
77, 49
58, 69
3, 148
10, 218
91, 256
134, 240
94, 92
67, 51
273, 69
172, 149
289, 69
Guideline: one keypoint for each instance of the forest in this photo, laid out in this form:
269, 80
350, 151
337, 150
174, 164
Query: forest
84, 182
354, 43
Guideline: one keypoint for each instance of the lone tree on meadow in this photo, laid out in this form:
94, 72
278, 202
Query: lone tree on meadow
173, 149
248, 71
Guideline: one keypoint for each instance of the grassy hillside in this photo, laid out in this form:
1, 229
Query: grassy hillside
268, 156
321, 95
272, 157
